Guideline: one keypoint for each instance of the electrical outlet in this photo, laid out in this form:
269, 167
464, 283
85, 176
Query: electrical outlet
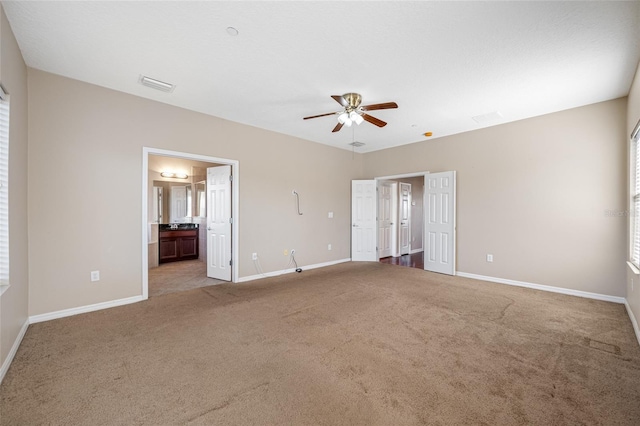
293, 251
285, 252
489, 258
329, 247
254, 256
95, 275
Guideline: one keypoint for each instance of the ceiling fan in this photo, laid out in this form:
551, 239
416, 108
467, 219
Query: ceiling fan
354, 112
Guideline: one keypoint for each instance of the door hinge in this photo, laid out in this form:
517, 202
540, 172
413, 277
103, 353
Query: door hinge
230, 220
230, 262
230, 178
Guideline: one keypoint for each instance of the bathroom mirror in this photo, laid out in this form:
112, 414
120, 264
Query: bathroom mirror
176, 203
200, 199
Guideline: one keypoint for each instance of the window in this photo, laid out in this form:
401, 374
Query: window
4, 190
635, 237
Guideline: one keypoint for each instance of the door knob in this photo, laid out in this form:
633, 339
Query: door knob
355, 226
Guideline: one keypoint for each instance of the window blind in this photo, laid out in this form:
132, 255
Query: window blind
4, 188
635, 236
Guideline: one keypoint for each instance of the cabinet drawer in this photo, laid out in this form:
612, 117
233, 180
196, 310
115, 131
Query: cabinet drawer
173, 234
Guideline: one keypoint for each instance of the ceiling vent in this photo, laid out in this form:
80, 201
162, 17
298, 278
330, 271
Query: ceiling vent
156, 84
489, 118
357, 144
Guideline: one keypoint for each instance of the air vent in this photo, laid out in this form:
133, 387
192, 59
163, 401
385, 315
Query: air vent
357, 144
156, 84
488, 118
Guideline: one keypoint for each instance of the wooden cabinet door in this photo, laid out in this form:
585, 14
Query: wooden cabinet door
189, 247
168, 249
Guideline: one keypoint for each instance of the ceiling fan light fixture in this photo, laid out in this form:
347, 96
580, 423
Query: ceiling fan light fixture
342, 118
356, 118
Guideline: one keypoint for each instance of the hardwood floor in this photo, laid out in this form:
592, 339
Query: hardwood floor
415, 260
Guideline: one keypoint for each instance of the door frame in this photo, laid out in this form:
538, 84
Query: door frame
235, 207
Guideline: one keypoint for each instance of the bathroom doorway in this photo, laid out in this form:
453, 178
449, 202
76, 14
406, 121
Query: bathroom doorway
175, 238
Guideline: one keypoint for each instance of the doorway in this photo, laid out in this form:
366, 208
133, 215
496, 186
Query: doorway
184, 274
438, 220
402, 222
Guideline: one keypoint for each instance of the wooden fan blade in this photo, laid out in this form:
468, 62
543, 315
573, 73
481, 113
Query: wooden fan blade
338, 127
321, 115
374, 120
339, 99
386, 105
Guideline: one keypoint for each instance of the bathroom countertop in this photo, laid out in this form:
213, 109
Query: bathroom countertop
177, 226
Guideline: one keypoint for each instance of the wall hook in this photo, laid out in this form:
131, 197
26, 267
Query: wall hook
297, 200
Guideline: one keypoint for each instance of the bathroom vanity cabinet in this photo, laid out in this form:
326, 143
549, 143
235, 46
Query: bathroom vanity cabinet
178, 244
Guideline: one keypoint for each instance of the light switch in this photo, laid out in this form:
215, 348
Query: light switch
330, 215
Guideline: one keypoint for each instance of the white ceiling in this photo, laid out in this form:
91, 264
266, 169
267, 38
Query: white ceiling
442, 62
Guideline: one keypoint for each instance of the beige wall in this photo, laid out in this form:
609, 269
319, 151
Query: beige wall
85, 177
633, 115
534, 194
13, 303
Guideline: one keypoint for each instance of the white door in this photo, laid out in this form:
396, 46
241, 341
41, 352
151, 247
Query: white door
219, 222
363, 221
440, 223
385, 219
405, 218
178, 204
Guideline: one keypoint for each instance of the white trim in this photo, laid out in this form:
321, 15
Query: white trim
586, 294
84, 309
288, 271
633, 268
404, 175
3, 288
144, 291
634, 322
12, 353
418, 250
235, 208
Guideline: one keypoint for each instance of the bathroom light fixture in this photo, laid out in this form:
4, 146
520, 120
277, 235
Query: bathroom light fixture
174, 175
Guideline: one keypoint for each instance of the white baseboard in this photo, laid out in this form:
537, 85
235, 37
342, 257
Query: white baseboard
288, 271
84, 309
588, 295
12, 352
418, 250
634, 322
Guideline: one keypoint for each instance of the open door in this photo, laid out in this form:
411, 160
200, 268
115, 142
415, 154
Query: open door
440, 223
405, 218
386, 217
219, 222
363, 221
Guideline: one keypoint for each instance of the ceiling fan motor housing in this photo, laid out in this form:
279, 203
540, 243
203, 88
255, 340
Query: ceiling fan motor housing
353, 101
